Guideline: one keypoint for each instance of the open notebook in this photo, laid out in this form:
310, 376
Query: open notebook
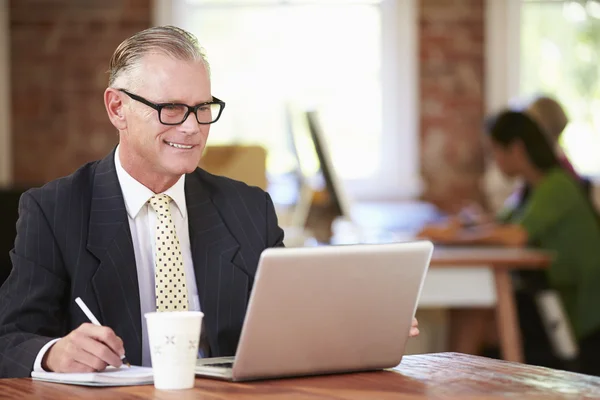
124, 376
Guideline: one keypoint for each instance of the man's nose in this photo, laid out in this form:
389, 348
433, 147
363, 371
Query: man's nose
190, 125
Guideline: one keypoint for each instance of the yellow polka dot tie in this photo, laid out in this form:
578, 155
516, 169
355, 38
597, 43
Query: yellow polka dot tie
171, 291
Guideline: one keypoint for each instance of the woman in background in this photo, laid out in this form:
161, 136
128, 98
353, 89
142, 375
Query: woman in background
500, 191
556, 215
552, 119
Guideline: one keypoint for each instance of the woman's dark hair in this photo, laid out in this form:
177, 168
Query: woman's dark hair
510, 126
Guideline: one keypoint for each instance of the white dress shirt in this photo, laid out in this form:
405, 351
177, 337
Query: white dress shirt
142, 223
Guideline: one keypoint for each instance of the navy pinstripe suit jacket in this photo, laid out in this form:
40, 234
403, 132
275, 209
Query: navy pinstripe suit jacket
73, 239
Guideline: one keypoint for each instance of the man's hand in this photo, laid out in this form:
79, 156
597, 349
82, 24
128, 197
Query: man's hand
414, 328
88, 348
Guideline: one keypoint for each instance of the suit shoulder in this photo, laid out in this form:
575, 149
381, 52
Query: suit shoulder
79, 183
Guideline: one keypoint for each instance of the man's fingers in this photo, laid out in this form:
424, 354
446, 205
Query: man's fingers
76, 366
414, 329
104, 335
96, 346
89, 360
100, 351
86, 349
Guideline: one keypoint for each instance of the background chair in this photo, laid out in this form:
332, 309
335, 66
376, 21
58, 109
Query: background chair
243, 163
9, 213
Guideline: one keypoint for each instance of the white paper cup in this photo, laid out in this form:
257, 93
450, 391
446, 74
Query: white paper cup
174, 338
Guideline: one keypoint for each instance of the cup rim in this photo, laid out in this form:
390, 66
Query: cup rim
174, 314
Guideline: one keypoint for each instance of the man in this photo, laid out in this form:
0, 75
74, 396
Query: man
142, 230
92, 234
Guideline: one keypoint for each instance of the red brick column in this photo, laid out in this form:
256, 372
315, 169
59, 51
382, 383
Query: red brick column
60, 51
451, 98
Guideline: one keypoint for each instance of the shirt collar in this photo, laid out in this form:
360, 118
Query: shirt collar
137, 195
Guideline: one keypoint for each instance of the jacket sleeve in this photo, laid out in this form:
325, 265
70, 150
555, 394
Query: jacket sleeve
32, 298
274, 232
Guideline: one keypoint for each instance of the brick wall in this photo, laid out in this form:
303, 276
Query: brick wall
59, 54
452, 99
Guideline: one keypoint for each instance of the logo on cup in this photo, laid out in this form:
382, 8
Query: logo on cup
175, 347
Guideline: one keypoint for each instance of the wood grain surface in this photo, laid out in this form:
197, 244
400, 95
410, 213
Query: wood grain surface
428, 376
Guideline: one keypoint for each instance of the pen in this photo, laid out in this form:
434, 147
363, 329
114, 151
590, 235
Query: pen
94, 321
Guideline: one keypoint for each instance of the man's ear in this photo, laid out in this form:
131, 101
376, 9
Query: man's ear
113, 101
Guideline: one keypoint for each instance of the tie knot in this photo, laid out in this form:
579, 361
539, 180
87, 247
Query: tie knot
160, 203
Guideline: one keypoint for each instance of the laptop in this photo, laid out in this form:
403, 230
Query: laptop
326, 310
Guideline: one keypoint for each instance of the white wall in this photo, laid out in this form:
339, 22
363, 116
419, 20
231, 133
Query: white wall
502, 60
162, 12
400, 71
502, 52
400, 178
5, 133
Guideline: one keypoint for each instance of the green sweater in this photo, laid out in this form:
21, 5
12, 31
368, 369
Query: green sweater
558, 217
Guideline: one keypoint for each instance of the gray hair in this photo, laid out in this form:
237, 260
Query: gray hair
169, 40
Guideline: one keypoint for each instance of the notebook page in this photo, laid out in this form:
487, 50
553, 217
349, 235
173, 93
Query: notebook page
123, 376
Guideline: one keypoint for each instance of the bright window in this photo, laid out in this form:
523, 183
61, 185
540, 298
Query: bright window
560, 56
331, 56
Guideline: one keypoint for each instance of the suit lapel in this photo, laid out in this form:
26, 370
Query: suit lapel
115, 281
221, 274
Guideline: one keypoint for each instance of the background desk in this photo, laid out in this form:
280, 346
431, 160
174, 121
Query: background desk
476, 277
419, 377
480, 277
469, 276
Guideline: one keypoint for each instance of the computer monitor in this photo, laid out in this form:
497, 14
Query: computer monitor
375, 220
315, 166
333, 182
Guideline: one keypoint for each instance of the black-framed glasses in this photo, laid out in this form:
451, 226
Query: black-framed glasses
177, 113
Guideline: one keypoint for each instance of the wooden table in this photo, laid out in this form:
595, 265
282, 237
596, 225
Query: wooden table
432, 376
501, 261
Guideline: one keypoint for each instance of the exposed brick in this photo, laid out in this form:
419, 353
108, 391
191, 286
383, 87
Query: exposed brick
59, 56
451, 93
60, 51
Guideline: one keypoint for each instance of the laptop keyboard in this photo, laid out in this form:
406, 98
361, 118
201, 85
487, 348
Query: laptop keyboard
221, 365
